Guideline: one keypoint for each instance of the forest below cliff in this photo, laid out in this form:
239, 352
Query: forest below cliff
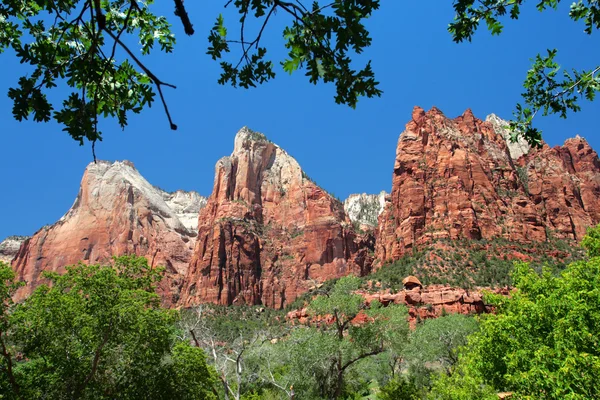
114, 340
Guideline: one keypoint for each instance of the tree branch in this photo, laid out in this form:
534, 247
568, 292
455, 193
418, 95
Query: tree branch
150, 74
11, 376
181, 12
360, 357
95, 362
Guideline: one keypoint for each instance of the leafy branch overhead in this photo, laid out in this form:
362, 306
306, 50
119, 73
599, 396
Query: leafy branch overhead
319, 39
547, 89
75, 43
86, 46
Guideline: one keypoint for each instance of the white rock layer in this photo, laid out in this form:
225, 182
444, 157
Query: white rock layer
186, 206
364, 209
516, 149
9, 247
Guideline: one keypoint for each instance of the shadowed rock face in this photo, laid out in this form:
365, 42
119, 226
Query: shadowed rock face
9, 247
458, 178
116, 212
268, 232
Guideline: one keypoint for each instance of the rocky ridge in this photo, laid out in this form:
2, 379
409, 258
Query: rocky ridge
459, 179
116, 212
423, 303
268, 232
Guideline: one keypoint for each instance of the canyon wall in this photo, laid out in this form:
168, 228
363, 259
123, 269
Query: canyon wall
462, 178
268, 233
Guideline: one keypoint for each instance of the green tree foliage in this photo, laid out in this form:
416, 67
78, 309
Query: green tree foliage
544, 341
235, 338
322, 358
8, 286
399, 389
98, 332
435, 344
469, 263
85, 46
547, 88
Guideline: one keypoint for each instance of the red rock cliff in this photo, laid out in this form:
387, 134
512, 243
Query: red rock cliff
459, 178
116, 212
268, 233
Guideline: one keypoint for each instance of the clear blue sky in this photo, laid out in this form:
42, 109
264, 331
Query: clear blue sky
344, 150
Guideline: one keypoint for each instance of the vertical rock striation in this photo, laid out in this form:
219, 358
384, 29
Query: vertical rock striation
461, 178
268, 233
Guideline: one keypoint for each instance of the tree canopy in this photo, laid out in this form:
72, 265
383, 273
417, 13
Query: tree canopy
95, 49
97, 333
543, 342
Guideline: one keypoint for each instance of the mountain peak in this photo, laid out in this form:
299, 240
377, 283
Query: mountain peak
116, 212
463, 178
267, 232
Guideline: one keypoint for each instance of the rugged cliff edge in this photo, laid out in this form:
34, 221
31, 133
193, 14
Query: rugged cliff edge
116, 212
460, 179
268, 233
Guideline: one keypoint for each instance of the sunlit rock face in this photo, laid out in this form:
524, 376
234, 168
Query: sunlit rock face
116, 212
268, 233
186, 205
433, 301
9, 247
462, 178
364, 209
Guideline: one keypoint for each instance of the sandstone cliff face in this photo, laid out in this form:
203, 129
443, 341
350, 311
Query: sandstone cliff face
458, 178
9, 247
364, 209
268, 232
116, 212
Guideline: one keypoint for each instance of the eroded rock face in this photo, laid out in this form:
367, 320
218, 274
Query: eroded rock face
458, 178
364, 209
116, 212
186, 205
9, 247
423, 303
268, 232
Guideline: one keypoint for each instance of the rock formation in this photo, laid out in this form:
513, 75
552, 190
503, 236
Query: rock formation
186, 205
268, 232
9, 247
459, 178
430, 302
364, 209
116, 212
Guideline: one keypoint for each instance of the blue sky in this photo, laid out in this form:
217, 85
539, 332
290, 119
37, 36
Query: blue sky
343, 150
